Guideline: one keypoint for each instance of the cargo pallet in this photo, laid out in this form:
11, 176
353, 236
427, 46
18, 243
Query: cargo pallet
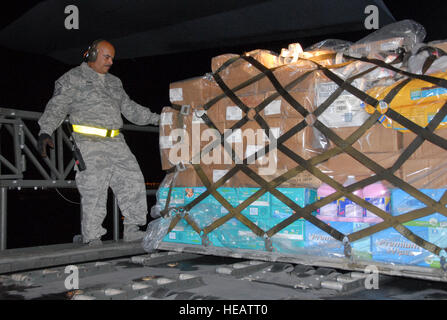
381, 106
416, 272
169, 275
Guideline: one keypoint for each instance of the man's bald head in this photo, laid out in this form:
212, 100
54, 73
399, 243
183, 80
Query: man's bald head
104, 58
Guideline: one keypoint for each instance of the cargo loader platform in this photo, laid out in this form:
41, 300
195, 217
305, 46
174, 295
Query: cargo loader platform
13, 260
174, 276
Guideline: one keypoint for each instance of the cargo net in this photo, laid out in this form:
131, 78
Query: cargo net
380, 97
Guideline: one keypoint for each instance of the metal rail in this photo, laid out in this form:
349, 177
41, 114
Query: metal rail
53, 170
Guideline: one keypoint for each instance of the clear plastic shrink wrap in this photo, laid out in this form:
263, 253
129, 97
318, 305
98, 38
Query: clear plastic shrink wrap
155, 231
341, 173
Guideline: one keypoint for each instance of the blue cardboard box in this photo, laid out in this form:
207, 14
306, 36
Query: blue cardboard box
209, 209
177, 197
318, 242
229, 194
257, 210
234, 234
402, 202
289, 239
390, 246
192, 193
301, 196
183, 233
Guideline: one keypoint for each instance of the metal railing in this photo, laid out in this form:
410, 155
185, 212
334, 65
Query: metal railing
53, 170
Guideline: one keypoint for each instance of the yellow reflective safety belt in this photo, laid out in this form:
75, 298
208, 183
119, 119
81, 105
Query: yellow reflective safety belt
95, 131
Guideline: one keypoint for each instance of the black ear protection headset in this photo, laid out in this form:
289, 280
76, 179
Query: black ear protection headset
92, 52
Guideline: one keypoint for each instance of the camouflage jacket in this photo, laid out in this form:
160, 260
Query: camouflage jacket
82, 95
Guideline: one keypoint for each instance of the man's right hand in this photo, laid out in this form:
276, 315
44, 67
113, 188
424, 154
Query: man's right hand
44, 140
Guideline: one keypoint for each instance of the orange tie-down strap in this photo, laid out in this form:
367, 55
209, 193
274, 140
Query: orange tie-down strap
310, 165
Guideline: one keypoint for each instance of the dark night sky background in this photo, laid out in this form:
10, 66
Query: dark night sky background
42, 217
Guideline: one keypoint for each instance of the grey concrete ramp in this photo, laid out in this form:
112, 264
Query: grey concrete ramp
13, 260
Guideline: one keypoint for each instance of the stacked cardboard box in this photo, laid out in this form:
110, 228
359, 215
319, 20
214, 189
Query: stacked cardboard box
265, 212
378, 143
426, 167
392, 247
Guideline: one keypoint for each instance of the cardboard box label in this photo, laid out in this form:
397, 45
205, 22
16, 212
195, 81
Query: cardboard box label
172, 235
166, 118
176, 94
272, 108
217, 174
253, 211
345, 111
233, 113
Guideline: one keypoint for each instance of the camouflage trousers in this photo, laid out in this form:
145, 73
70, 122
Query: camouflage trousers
109, 163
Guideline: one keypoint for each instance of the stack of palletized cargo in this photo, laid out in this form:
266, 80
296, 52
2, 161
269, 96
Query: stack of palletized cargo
217, 122
419, 100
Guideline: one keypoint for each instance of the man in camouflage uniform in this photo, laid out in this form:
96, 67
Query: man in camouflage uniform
94, 98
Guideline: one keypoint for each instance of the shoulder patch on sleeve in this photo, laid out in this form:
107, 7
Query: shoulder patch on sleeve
57, 89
